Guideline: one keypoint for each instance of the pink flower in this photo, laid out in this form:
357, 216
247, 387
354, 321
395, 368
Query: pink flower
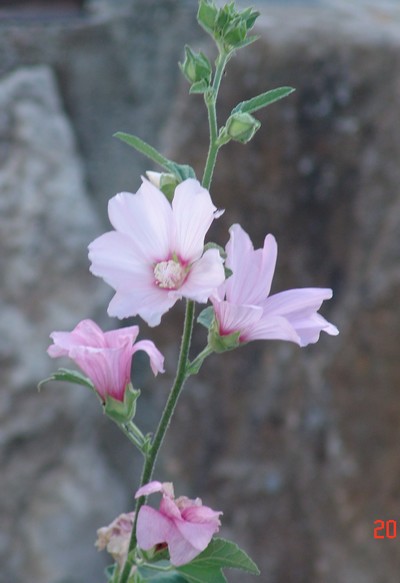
242, 303
105, 357
185, 525
155, 255
116, 537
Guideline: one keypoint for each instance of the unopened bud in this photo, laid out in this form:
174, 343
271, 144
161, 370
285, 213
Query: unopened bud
196, 67
241, 127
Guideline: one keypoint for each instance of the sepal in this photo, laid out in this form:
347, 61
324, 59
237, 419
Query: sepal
219, 343
122, 411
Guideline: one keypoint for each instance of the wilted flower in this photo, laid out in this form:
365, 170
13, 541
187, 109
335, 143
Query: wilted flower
105, 357
155, 255
242, 303
185, 525
116, 536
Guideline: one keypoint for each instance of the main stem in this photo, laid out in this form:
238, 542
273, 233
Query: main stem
163, 425
210, 100
183, 362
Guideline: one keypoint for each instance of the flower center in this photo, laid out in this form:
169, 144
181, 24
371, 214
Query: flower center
169, 274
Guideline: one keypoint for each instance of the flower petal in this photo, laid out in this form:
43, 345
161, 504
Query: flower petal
234, 318
155, 356
86, 333
153, 528
204, 277
197, 534
119, 337
181, 551
109, 369
149, 303
150, 488
271, 327
115, 258
146, 218
193, 213
250, 282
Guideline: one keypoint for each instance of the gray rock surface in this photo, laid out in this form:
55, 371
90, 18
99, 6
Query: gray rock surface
116, 67
301, 446
297, 447
51, 469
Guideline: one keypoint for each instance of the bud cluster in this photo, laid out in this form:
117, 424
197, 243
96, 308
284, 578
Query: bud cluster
227, 25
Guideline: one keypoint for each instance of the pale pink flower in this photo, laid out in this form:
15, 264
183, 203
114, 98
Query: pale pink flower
243, 304
185, 525
155, 255
105, 357
116, 537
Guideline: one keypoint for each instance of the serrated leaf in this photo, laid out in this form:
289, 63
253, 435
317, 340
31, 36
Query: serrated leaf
69, 376
262, 100
218, 555
206, 317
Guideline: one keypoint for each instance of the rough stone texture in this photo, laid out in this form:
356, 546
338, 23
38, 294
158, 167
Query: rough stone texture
53, 480
116, 67
300, 447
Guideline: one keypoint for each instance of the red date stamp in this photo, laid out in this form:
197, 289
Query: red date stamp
385, 529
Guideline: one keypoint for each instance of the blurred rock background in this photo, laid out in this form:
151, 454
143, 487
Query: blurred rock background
299, 448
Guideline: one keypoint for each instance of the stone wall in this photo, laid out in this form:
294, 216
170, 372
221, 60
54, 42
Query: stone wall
298, 447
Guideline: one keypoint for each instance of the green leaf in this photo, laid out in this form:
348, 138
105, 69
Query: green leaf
262, 100
219, 554
202, 575
247, 41
111, 573
69, 376
182, 171
147, 574
206, 317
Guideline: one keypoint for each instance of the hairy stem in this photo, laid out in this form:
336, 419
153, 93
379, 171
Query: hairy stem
211, 100
163, 425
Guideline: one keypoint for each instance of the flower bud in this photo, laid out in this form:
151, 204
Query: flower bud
241, 127
196, 67
207, 15
164, 181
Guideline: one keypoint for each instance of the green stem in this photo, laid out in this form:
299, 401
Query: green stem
197, 362
211, 100
134, 435
183, 370
151, 457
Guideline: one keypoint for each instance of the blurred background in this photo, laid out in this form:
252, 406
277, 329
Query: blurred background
298, 447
